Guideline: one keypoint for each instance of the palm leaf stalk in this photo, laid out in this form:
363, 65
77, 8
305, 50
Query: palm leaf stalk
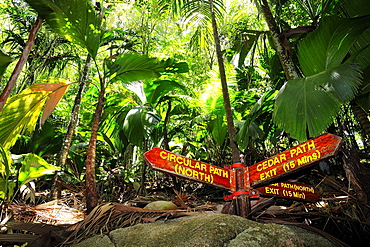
362, 117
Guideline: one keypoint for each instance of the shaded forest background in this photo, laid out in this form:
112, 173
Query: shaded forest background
89, 86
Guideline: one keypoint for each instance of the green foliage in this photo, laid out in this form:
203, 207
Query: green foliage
33, 166
75, 20
138, 124
155, 90
308, 105
6, 186
130, 67
21, 111
305, 107
326, 47
250, 125
4, 62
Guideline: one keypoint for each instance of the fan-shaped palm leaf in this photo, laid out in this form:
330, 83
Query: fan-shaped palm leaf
309, 104
327, 46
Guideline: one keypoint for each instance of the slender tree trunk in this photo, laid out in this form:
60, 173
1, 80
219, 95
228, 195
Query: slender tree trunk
286, 62
75, 114
21, 62
242, 203
166, 141
225, 90
142, 190
92, 197
72, 125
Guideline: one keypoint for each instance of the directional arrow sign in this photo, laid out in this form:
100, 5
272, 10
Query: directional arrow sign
180, 166
293, 159
292, 191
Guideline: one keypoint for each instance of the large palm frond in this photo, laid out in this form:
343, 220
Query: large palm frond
306, 106
75, 20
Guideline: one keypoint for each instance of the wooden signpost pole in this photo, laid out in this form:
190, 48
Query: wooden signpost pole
243, 181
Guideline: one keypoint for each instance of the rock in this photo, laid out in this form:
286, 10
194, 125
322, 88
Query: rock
266, 235
208, 229
101, 241
202, 230
311, 238
161, 205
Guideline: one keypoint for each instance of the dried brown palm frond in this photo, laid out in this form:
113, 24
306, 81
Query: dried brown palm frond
107, 217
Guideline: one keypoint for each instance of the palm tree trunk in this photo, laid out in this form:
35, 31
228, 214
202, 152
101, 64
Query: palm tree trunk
166, 141
286, 62
225, 90
92, 197
72, 124
242, 202
21, 62
75, 114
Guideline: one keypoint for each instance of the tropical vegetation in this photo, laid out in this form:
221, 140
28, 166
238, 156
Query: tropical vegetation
89, 86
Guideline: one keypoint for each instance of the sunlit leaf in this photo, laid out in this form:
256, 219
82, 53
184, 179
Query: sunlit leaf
308, 105
75, 20
58, 90
34, 166
20, 114
5, 162
218, 129
154, 90
130, 67
22, 110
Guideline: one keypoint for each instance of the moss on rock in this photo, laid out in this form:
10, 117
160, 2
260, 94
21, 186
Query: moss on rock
204, 230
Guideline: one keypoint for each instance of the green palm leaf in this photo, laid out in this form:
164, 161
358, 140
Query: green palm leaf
309, 104
20, 114
75, 20
130, 67
138, 124
22, 111
34, 166
327, 46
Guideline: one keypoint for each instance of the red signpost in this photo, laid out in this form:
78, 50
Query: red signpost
240, 179
293, 159
292, 191
180, 166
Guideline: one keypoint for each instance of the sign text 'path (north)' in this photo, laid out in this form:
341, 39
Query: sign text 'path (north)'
180, 166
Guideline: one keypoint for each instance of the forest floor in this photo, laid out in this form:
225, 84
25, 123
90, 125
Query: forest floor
335, 214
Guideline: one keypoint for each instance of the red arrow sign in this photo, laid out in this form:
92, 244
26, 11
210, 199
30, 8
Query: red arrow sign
292, 191
293, 159
180, 166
